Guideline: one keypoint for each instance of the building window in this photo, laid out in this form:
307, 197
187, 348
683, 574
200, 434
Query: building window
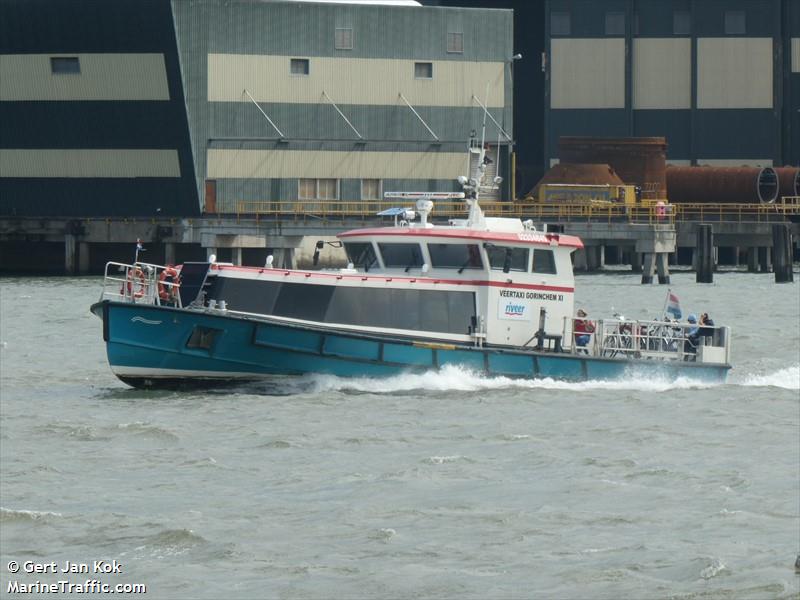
734, 22
317, 189
370, 189
327, 189
423, 70
615, 23
455, 42
681, 22
343, 38
299, 66
65, 64
560, 23
307, 189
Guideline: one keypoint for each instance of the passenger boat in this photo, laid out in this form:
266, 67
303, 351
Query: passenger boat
493, 295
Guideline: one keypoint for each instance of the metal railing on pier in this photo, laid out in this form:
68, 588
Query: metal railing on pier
649, 213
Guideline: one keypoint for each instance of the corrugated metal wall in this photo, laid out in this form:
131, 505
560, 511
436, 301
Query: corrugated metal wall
713, 76
229, 47
110, 139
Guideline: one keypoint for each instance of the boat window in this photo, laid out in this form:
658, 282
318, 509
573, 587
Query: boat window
413, 309
544, 262
497, 257
406, 256
202, 338
455, 256
418, 310
361, 254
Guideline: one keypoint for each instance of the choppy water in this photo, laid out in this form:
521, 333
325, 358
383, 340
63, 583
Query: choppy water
443, 485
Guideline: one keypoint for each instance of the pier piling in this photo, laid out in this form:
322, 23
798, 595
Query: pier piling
764, 259
70, 253
752, 259
704, 254
782, 253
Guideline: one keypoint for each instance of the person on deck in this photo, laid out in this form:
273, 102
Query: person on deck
692, 338
583, 329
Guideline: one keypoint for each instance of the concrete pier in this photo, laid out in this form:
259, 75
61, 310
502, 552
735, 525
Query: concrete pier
83, 258
752, 259
55, 245
70, 253
169, 253
656, 261
636, 262
765, 259
595, 256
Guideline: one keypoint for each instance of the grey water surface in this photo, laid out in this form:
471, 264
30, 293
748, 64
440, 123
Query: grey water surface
443, 485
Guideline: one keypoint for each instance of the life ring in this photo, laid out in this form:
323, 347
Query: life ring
136, 283
165, 291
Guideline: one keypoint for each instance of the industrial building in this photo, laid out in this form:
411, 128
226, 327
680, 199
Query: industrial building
159, 107
720, 79
167, 119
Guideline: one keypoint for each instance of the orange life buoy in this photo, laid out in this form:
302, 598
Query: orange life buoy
165, 291
136, 283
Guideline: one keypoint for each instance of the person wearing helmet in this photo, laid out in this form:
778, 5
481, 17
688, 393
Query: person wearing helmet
692, 338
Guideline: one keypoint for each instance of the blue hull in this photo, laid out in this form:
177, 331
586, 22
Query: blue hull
150, 346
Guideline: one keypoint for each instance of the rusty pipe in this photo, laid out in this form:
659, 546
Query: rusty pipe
789, 181
722, 185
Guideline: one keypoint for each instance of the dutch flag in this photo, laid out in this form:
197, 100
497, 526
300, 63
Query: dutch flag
673, 306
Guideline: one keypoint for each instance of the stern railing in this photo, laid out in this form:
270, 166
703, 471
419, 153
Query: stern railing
641, 339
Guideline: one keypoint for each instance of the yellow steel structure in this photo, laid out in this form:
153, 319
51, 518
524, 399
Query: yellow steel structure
646, 213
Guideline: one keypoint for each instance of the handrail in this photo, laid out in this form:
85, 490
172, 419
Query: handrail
664, 340
646, 213
139, 283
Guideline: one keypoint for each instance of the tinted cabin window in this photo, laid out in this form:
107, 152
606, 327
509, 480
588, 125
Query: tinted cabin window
401, 255
544, 261
455, 256
497, 257
422, 310
418, 310
362, 255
